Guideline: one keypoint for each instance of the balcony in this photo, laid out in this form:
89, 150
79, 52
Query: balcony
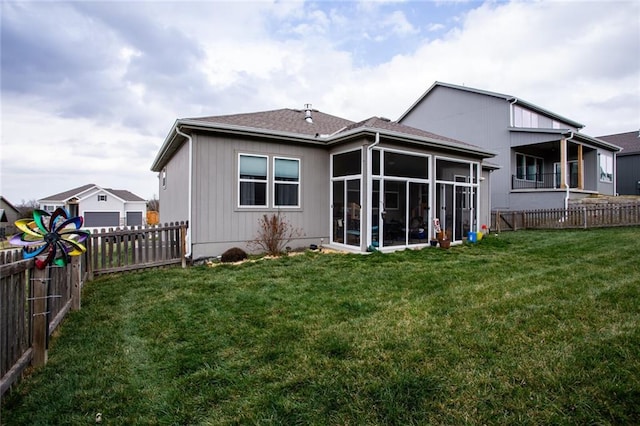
542, 181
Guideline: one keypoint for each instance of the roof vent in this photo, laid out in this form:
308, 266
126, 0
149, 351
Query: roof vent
307, 113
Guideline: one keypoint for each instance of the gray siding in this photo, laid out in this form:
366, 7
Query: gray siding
476, 119
552, 199
628, 174
174, 198
217, 221
484, 120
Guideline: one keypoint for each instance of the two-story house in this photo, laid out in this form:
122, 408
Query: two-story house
543, 160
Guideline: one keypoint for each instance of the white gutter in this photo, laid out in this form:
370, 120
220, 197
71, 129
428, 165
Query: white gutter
369, 190
566, 173
189, 189
511, 123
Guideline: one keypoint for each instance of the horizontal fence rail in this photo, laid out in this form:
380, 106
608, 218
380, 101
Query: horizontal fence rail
583, 216
128, 249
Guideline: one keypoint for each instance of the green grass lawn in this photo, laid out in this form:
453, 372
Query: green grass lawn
521, 328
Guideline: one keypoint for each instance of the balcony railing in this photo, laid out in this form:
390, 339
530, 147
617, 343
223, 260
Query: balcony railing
542, 181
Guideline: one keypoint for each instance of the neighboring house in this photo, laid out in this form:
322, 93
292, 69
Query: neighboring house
627, 161
8, 216
375, 183
543, 160
100, 207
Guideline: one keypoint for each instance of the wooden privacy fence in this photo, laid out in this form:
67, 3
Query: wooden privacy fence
33, 302
583, 216
128, 249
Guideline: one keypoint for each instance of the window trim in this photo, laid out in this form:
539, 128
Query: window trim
275, 181
102, 197
240, 180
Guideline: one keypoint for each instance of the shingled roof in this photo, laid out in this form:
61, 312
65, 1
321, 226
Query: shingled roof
394, 126
629, 142
66, 195
283, 120
302, 126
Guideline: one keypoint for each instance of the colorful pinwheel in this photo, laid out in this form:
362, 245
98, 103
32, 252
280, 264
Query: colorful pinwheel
56, 234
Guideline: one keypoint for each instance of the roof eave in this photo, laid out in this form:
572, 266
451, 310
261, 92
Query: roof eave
596, 141
403, 137
172, 142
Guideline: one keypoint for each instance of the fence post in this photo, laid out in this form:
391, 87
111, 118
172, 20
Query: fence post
183, 244
40, 326
76, 283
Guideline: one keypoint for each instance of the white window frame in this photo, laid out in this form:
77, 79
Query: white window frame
265, 181
275, 182
102, 197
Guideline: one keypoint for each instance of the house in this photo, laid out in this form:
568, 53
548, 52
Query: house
100, 207
543, 160
353, 185
627, 161
8, 216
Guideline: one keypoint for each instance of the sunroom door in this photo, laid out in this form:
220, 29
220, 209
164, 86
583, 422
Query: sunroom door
346, 212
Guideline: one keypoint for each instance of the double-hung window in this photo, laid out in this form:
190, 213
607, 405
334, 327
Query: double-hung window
253, 180
286, 182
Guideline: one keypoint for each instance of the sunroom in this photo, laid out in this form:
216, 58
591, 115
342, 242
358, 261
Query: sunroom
386, 197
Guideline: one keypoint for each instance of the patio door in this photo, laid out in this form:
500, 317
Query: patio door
403, 213
346, 212
455, 205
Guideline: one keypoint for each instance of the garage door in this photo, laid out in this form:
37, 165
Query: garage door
97, 219
134, 218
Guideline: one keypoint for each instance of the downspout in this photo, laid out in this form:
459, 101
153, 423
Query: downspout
370, 189
189, 189
511, 123
565, 166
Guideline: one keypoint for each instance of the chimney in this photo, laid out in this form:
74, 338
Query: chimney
307, 113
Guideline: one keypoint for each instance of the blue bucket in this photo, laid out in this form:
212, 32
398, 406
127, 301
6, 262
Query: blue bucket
472, 237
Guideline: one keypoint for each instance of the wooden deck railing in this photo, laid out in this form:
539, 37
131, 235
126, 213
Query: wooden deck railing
582, 216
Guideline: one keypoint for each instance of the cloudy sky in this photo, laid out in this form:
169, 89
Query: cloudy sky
90, 89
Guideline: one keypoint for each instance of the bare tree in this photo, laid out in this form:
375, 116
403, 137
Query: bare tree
26, 208
153, 204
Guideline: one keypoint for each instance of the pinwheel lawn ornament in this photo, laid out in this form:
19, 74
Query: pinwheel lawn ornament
55, 236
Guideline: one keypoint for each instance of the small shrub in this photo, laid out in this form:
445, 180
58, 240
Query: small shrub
274, 233
234, 254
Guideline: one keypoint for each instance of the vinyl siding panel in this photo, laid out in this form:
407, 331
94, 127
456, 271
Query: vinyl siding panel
217, 221
174, 198
628, 175
477, 119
